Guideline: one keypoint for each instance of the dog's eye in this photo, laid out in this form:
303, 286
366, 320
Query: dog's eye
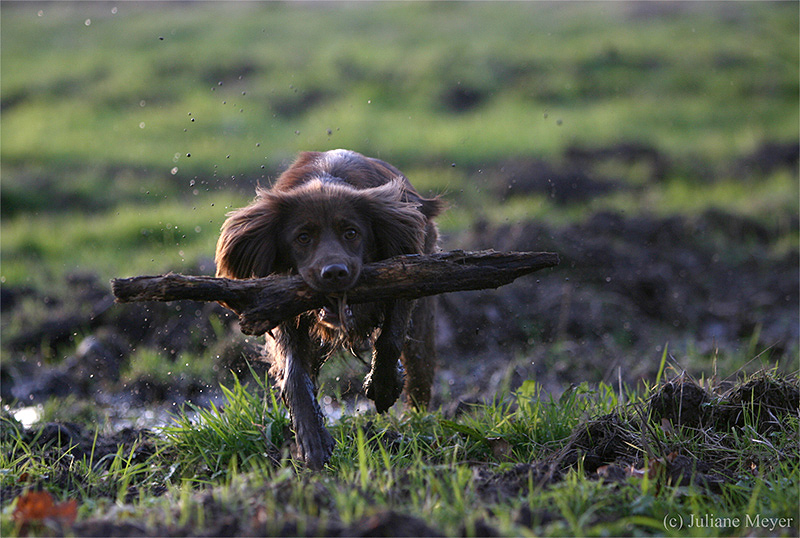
350, 234
303, 238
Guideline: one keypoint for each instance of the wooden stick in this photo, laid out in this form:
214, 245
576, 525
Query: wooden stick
263, 303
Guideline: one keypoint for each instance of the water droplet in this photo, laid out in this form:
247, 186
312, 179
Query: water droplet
174, 170
87, 22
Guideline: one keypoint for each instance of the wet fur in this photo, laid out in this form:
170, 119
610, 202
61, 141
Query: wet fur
338, 210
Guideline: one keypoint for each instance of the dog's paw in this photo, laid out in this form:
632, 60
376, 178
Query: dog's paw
384, 387
314, 447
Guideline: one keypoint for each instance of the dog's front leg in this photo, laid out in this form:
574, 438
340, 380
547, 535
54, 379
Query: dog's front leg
314, 443
384, 382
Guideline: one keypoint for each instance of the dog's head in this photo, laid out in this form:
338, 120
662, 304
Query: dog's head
323, 230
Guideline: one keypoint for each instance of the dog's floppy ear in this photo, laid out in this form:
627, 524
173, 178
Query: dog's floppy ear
398, 225
430, 207
248, 242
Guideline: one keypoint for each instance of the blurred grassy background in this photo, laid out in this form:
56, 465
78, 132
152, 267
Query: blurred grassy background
129, 129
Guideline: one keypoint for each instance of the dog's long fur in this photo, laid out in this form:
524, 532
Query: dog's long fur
325, 216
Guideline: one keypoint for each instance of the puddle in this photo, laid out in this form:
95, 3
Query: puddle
29, 415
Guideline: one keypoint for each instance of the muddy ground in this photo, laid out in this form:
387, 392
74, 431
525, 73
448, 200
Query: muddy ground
710, 286
625, 288
713, 285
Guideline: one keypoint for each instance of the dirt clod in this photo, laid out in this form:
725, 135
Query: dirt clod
762, 402
604, 440
681, 402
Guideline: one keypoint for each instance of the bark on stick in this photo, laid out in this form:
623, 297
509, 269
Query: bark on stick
263, 303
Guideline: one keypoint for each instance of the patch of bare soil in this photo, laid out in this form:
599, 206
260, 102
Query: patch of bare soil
625, 288
713, 277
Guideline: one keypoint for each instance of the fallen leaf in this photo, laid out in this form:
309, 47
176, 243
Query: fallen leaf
614, 473
35, 506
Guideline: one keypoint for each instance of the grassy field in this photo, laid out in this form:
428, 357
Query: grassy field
665, 134
121, 117
526, 466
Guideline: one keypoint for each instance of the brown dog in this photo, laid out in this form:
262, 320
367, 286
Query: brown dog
324, 217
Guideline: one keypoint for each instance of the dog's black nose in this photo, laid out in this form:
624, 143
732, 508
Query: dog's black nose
335, 273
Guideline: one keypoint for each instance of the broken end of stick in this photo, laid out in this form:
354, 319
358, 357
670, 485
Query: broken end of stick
122, 289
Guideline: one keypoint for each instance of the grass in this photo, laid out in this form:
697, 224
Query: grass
215, 441
172, 234
152, 239
591, 462
371, 76
129, 131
